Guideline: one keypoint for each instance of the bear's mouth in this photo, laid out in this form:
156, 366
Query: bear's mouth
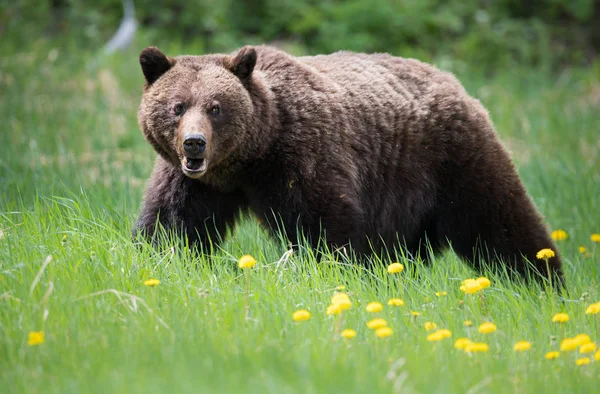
194, 167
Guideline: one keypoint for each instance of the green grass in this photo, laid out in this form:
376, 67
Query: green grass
72, 170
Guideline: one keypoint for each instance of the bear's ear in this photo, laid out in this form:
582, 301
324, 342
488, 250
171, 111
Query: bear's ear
154, 64
243, 63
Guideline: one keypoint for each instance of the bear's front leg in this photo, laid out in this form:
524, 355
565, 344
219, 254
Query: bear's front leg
186, 206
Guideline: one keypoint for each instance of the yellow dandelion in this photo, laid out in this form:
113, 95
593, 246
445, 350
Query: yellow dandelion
344, 304
337, 297
415, 314
439, 335
587, 348
552, 355
35, 338
545, 254
593, 309
374, 307
434, 337
383, 332
430, 326
246, 261
395, 302
462, 343
560, 318
476, 347
522, 346
470, 286
348, 333
342, 300
595, 238
487, 328
559, 235
376, 324
152, 282
582, 361
395, 268
568, 345
597, 356
468, 323
441, 293
582, 339
333, 309
582, 249
483, 282
301, 315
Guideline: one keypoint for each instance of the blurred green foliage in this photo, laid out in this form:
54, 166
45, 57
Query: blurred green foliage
486, 33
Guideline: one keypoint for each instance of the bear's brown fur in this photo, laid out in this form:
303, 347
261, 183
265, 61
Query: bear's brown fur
369, 150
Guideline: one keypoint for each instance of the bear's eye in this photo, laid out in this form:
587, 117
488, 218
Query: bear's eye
178, 109
215, 110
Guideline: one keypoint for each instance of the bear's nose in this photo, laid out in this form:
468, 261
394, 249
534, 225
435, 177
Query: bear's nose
194, 145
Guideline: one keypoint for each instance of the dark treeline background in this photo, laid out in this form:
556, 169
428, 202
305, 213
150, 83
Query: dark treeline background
485, 33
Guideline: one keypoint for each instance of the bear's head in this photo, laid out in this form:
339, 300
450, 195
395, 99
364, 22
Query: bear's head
198, 111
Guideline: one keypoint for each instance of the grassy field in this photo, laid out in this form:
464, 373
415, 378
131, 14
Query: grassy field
72, 170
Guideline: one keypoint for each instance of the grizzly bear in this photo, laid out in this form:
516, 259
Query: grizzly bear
368, 151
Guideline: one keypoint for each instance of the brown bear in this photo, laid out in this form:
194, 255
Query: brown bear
356, 149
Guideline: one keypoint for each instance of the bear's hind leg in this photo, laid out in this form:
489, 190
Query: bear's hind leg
486, 216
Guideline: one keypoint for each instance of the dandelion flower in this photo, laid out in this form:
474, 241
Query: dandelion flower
552, 355
560, 318
568, 344
582, 249
395, 268
441, 293
595, 238
395, 302
383, 332
521, 346
376, 324
348, 333
439, 335
476, 347
483, 282
470, 286
559, 235
35, 338
430, 326
342, 300
344, 304
487, 328
593, 309
374, 307
468, 323
545, 254
301, 315
582, 361
434, 337
461, 343
597, 356
152, 282
333, 309
587, 348
582, 339
337, 297
246, 261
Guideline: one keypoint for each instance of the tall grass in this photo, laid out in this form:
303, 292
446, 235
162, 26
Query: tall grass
72, 169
